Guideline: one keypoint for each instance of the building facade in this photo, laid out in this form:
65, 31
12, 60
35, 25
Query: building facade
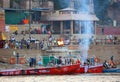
5, 3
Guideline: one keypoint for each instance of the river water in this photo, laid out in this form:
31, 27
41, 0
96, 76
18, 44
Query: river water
106, 77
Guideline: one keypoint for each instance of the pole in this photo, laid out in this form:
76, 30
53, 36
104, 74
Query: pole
29, 17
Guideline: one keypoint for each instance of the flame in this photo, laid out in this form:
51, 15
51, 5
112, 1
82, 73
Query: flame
60, 42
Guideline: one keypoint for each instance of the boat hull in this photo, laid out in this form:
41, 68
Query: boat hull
59, 70
112, 70
95, 69
90, 69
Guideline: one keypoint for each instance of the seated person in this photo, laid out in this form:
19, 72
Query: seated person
106, 65
51, 63
112, 64
40, 63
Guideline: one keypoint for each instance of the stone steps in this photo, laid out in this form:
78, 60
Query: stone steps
103, 52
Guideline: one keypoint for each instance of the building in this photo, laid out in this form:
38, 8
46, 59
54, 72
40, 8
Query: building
5, 3
2, 20
74, 19
21, 10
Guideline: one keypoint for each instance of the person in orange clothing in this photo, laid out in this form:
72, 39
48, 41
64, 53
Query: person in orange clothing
96, 60
112, 64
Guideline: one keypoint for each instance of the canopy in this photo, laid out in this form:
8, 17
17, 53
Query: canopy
13, 28
63, 17
67, 9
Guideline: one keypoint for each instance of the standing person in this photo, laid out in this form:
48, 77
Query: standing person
102, 30
17, 58
86, 68
59, 61
34, 61
64, 61
41, 43
43, 29
111, 58
31, 62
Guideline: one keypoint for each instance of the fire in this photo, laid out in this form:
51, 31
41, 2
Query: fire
60, 42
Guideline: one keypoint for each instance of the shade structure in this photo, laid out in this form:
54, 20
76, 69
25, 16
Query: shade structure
63, 17
68, 9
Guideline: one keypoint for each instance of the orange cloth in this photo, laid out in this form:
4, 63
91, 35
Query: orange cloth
96, 59
111, 63
25, 21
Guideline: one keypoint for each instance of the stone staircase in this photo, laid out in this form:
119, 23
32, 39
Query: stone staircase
103, 52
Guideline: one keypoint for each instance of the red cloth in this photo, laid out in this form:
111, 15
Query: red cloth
25, 21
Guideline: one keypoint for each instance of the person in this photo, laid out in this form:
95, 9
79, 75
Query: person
50, 39
52, 62
77, 61
106, 65
17, 58
30, 62
102, 30
86, 67
16, 32
7, 45
64, 61
40, 62
92, 61
96, 59
112, 64
88, 62
111, 58
59, 62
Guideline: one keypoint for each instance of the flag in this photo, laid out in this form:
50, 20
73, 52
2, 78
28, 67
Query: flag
3, 36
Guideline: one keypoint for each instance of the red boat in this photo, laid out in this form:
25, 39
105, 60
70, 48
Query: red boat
90, 69
95, 69
58, 70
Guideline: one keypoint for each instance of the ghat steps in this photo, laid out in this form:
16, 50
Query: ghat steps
103, 52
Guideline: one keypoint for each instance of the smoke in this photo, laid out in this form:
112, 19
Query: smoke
87, 28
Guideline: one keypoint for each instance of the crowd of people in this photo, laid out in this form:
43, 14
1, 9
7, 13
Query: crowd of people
109, 64
33, 43
54, 61
109, 39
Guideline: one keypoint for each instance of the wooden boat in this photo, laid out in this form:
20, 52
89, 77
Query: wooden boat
58, 70
90, 69
95, 69
111, 70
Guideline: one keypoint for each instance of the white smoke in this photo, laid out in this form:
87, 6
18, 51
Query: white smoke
88, 28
